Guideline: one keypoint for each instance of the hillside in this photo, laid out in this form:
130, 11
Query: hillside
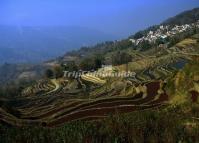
151, 86
106, 48
158, 92
186, 17
20, 72
144, 89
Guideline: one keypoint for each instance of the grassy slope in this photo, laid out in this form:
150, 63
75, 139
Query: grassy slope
176, 123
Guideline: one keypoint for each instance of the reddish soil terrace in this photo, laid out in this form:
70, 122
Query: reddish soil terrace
194, 95
60, 111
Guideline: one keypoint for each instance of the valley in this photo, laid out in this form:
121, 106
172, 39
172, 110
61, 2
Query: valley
144, 88
51, 103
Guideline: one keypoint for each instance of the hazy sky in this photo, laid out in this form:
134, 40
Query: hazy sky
120, 17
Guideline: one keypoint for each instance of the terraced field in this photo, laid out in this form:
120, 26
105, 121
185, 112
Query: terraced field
52, 111
50, 103
160, 67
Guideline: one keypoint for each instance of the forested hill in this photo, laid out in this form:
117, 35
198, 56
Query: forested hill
186, 17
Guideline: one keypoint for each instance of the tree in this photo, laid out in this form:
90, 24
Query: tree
98, 61
92, 63
160, 41
124, 44
70, 66
58, 71
120, 58
86, 64
145, 45
138, 35
49, 73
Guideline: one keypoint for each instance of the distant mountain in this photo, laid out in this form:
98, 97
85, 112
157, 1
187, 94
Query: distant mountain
186, 17
36, 44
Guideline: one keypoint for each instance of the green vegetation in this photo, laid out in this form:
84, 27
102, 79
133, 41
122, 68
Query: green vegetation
179, 37
70, 66
184, 43
49, 73
14, 89
168, 125
55, 72
186, 17
92, 63
58, 71
120, 58
159, 104
50, 103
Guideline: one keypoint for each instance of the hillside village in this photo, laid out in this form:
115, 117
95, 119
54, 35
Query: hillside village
164, 32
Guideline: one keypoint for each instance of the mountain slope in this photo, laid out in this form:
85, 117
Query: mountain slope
106, 49
186, 17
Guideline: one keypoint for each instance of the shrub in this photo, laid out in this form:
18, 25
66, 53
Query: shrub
49, 73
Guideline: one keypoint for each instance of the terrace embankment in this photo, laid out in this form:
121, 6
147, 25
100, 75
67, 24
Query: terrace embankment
56, 110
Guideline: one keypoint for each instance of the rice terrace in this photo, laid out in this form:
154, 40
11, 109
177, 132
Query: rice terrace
51, 103
144, 88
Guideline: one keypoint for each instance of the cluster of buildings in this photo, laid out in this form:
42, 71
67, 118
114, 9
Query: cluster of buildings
163, 32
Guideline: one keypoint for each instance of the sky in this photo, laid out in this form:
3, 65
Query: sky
118, 17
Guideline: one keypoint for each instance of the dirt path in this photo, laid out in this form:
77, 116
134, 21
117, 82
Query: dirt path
57, 86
